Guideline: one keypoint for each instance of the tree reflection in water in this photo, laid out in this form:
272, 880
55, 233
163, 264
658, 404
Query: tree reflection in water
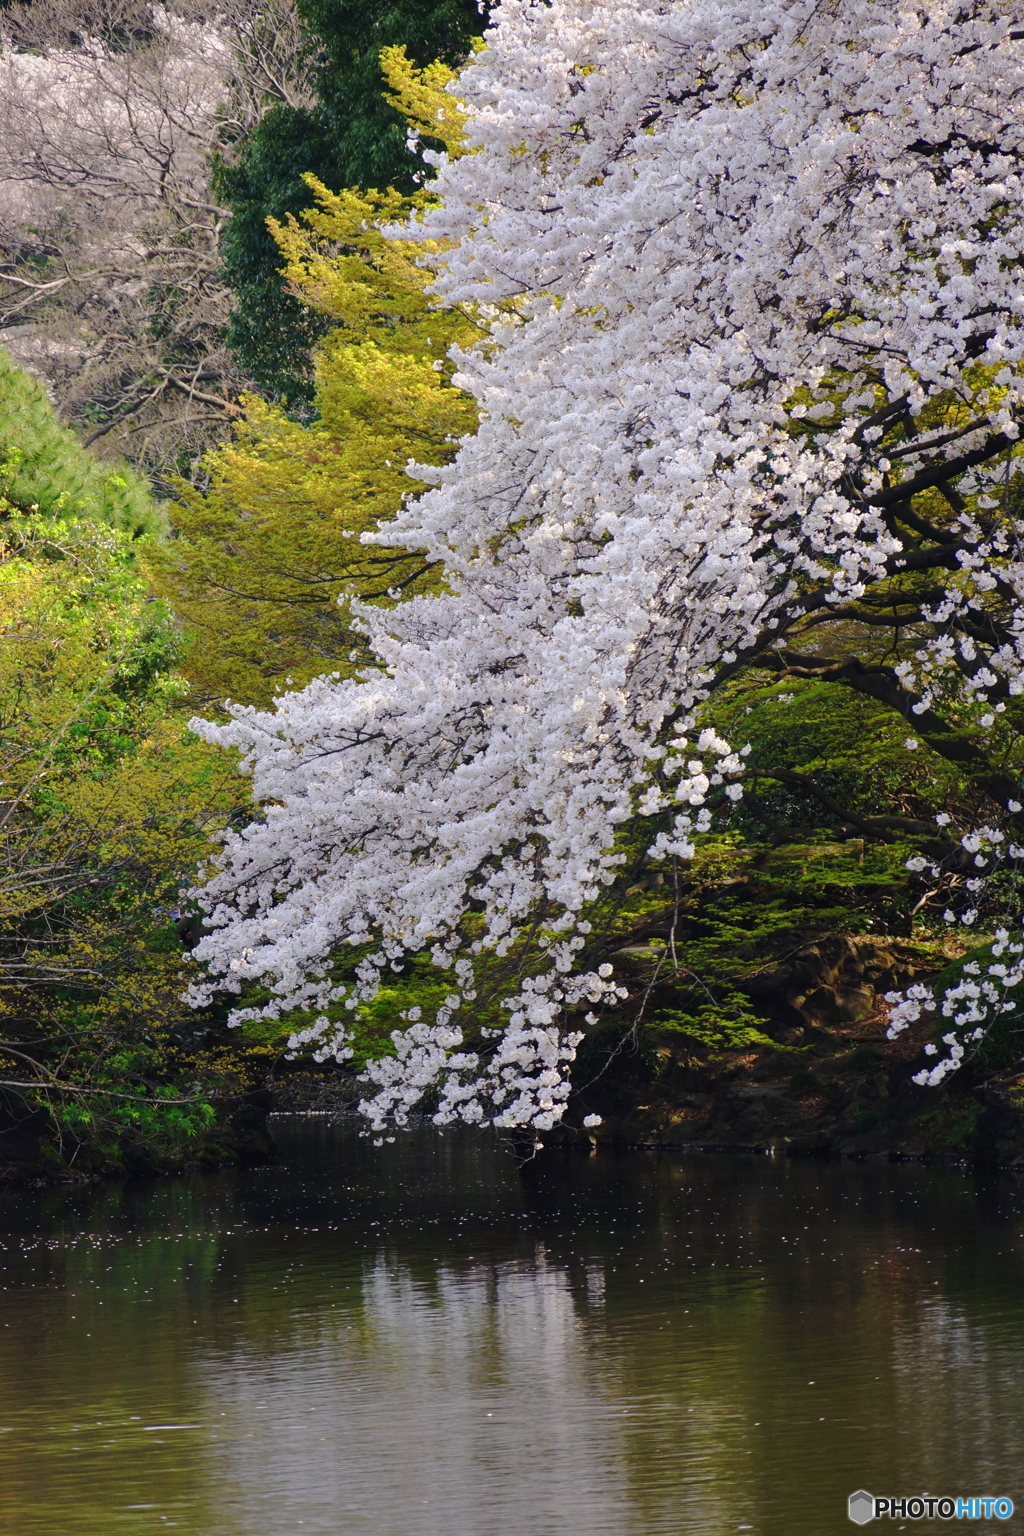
419, 1341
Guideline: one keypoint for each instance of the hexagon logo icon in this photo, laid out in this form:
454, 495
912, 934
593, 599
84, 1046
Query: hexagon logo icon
861, 1507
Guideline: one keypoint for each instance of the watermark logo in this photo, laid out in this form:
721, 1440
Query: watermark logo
864, 1506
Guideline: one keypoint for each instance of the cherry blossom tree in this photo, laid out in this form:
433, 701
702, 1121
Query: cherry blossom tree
751, 391
110, 280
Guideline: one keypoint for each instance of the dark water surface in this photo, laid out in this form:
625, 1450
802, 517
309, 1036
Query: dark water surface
419, 1341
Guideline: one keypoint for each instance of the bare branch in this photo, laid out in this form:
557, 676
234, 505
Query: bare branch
110, 286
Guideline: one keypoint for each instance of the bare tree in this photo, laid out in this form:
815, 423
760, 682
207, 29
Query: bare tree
110, 117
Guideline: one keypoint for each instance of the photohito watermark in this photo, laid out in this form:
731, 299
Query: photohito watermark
865, 1506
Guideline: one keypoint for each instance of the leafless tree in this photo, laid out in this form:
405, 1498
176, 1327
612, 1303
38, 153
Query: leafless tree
110, 115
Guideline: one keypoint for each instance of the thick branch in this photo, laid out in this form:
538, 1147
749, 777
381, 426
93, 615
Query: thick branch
881, 684
886, 828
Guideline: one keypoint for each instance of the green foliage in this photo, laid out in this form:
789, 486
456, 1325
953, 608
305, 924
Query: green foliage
45, 469
161, 1127
720, 1022
352, 137
264, 561
850, 748
694, 937
106, 804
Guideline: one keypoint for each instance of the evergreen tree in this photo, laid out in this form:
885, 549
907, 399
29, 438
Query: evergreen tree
353, 137
44, 468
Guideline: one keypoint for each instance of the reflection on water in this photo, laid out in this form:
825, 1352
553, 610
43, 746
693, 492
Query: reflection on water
434, 1411
420, 1341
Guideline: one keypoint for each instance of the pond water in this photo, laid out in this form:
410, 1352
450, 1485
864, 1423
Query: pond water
421, 1340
